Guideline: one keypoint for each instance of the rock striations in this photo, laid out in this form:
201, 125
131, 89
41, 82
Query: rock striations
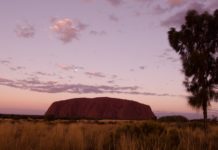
100, 108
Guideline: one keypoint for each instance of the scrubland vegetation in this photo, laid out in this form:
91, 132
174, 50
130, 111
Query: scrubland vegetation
39, 134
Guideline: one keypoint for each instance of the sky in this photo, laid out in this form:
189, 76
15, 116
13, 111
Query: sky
54, 50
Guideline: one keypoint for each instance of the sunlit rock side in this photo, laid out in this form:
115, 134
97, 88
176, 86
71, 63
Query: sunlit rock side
100, 108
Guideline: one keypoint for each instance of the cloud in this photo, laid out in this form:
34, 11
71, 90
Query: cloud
95, 74
17, 68
212, 5
145, 1
100, 33
172, 59
167, 55
179, 18
5, 62
132, 70
175, 20
142, 67
158, 9
138, 68
81, 26
10, 65
164, 54
88, 1
168, 6
176, 2
34, 84
199, 6
115, 2
151, 94
111, 81
67, 29
70, 67
93, 32
25, 30
114, 76
40, 73
4, 81
137, 13
113, 18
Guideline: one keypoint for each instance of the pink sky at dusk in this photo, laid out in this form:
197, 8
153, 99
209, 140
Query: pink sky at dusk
53, 50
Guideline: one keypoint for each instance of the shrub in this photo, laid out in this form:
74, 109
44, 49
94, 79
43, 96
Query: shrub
173, 119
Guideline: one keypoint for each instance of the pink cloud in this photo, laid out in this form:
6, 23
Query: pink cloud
113, 18
179, 18
137, 13
25, 30
93, 32
5, 62
34, 84
158, 9
67, 29
142, 67
81, 26
213, 5
143, 0
115, 2
70, 67
147, 2
88, 1
17, 68
95, 74
111, 81
114, 76
171, 4
176, 2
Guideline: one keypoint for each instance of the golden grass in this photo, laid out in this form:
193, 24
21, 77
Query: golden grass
104, 135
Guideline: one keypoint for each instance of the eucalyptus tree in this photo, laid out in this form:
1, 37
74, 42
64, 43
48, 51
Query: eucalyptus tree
196, 42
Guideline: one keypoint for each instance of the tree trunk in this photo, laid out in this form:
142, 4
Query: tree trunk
205, 118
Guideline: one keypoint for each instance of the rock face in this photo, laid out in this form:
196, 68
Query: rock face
100, 108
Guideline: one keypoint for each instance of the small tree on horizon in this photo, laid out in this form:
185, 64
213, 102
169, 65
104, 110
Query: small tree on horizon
197, 45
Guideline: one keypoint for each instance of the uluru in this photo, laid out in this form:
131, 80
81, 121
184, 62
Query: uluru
100, 108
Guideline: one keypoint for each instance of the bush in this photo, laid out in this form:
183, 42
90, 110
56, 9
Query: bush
173, 119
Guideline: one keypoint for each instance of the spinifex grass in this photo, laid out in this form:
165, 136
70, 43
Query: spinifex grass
104, 135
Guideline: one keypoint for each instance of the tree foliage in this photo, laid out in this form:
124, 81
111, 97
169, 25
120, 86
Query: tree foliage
197, 45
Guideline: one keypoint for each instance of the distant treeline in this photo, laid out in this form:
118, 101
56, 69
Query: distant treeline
14, 116
175, 118
50, 117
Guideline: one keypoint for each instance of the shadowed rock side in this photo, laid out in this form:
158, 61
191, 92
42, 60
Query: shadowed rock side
100, 108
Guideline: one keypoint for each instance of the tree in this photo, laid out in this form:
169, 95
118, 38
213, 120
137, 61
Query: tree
197, 45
